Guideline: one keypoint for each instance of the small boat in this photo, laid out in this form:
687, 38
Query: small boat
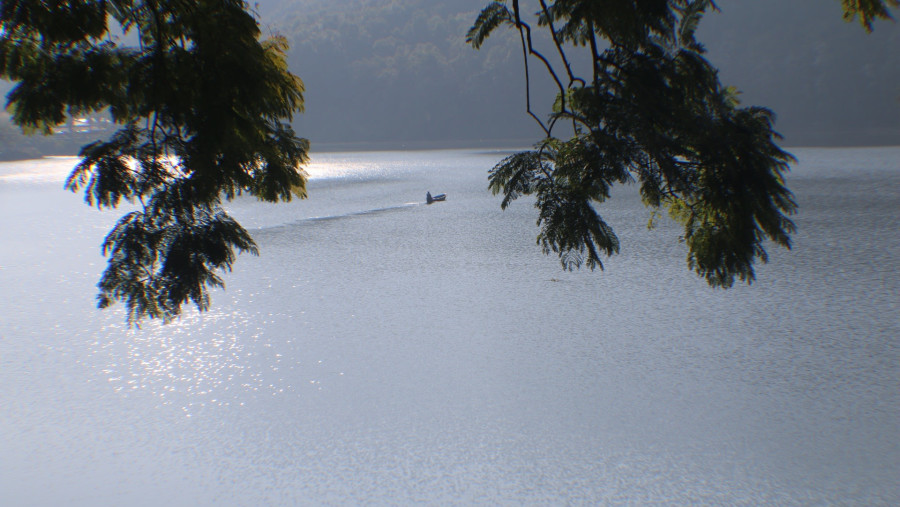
430, 199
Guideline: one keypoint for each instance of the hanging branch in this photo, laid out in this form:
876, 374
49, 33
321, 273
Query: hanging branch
525, 33
595, 55
528, 81
559, 49
565, 60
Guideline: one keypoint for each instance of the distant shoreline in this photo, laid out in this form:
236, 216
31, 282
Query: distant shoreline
329, 147
458, 144
511, 145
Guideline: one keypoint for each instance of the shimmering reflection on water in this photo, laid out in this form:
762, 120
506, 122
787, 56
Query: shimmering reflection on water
186, 360
384, 352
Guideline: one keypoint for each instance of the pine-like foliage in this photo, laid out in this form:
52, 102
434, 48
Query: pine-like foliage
650, 110
204, 108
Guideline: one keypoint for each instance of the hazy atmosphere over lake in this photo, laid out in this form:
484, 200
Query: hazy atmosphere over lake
382, 350
399, 71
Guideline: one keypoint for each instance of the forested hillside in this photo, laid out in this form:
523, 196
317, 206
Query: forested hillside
829, 81
398, 71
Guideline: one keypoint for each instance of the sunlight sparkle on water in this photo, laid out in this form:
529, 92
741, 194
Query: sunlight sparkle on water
194, 360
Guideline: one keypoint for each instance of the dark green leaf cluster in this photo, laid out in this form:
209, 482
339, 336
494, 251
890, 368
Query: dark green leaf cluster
868, 10
158, 261
653, 112
492, 16
204, 108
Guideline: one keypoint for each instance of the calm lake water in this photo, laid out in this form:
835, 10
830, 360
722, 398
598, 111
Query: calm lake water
382, 351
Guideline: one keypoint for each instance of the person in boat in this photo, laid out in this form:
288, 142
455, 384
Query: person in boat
429, 199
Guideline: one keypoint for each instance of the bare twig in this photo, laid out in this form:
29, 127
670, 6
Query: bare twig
528, 85
595, 56
525, 34
559, 49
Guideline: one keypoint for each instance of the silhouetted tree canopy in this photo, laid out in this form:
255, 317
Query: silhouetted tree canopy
203, 108
868, 10
649, 108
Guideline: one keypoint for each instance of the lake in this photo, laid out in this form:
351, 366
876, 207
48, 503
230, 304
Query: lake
383, 351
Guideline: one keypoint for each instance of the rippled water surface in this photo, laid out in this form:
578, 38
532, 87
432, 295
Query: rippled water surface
384, 351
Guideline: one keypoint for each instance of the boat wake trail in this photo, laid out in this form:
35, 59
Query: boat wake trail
352, 214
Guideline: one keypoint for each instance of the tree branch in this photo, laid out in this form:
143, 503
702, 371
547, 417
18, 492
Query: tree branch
528, 83
525, 34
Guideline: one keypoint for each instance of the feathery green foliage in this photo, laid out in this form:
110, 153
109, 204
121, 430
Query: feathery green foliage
868, 10
652, 111
204, 108
492, 16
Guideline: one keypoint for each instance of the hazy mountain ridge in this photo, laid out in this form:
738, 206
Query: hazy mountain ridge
829, 81
395, 73
399, 71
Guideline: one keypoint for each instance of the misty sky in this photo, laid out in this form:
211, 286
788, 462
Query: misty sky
397, 73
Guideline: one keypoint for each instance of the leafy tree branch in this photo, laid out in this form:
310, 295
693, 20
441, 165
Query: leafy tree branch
868, 11
655, 113
204, 109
